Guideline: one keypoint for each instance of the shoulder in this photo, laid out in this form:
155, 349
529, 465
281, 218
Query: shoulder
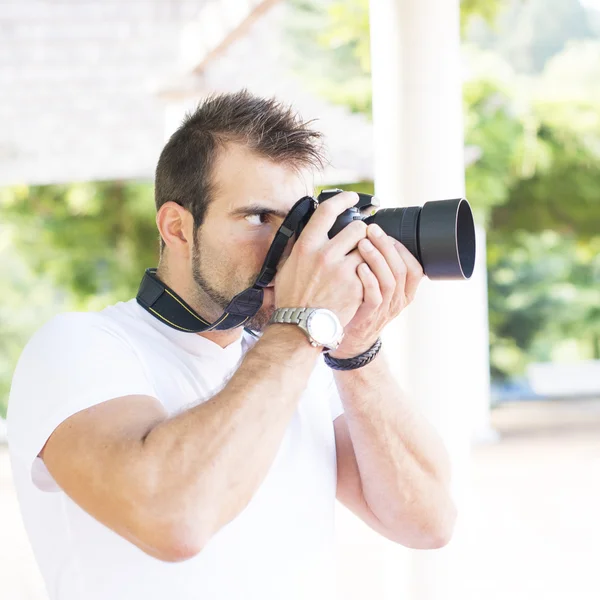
63, 327
66, 328
75, 335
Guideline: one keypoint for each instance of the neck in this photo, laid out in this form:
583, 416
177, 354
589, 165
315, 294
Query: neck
182, 287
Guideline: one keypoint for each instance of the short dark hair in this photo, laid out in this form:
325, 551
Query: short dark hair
268, 127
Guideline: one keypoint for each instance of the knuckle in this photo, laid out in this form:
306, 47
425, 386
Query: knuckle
401, 268
302, 246
417, 271
326, 257
321, 259
328, 209
388, 284
387, 291
377, 300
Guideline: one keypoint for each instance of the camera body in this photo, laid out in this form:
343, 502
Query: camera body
440, 235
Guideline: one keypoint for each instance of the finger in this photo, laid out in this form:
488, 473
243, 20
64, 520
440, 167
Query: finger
385, 244
347, 239
388, 280
353, 260
314, 234
372, 297
414, 273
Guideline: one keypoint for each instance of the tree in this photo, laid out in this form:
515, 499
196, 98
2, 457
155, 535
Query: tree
329, 43
92, 239
544, 293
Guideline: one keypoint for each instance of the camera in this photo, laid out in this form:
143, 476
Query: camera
440, 234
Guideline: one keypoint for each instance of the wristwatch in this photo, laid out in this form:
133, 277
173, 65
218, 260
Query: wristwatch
321, 326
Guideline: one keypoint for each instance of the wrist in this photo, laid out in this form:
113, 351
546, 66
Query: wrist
321, 326
346, 351
292, 336
355, 362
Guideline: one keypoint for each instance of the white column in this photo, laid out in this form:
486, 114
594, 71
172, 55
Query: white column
441, 343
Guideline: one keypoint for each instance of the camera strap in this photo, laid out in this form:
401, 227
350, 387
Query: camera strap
167, 306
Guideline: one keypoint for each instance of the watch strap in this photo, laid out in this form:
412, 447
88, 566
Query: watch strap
290, 315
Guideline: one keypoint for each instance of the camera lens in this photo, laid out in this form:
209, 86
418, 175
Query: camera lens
441, 235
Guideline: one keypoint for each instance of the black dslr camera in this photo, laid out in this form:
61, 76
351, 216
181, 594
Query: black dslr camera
440, 235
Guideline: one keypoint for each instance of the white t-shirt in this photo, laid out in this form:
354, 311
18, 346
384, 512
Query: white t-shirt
280, 546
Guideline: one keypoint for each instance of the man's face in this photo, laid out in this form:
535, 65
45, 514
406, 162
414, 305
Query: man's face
252, 197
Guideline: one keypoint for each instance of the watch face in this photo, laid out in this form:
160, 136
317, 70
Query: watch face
324, 327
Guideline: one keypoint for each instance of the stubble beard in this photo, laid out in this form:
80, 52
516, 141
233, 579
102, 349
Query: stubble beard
220, 300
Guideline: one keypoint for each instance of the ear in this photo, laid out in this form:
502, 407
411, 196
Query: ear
176, 227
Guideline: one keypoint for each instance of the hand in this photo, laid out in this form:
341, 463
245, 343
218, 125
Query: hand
390, 276
319, 272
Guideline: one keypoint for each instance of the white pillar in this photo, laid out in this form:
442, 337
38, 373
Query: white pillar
441, 343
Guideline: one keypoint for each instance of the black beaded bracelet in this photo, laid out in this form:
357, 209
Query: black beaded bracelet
348, 364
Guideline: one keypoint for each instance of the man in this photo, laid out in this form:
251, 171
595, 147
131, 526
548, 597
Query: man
152, 463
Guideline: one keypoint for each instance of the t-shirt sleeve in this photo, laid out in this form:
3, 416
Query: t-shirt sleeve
72, 363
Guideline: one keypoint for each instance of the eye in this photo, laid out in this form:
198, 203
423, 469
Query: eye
257, 219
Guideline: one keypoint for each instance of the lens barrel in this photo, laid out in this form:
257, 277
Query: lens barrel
441, 236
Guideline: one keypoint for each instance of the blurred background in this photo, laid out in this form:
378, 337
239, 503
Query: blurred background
91, 89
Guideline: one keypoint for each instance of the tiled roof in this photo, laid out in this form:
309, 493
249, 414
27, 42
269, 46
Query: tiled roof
89, 89
78, 83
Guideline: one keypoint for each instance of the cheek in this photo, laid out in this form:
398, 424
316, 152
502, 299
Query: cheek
252, 249
258, 254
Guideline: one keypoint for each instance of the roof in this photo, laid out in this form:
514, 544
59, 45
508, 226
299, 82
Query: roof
90, 89
78, 83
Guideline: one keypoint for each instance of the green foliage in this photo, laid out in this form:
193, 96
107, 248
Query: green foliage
92, 239
330, 49
491, 126
544, 241
544, 292
559, 153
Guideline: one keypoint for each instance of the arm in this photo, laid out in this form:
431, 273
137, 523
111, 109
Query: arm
393, 470
168, 484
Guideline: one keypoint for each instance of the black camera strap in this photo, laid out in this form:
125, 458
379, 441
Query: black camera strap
167, 306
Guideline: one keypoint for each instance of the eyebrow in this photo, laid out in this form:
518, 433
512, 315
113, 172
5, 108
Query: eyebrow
258, 209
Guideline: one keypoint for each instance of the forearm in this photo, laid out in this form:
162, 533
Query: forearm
209, 461
403, 465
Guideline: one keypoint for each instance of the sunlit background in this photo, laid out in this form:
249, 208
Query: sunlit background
89, 92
